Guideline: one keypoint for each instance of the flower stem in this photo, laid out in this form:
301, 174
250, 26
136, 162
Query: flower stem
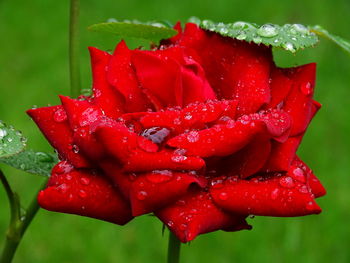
174, 246
19, 222
74, 48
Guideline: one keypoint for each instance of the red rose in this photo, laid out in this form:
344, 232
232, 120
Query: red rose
201, 131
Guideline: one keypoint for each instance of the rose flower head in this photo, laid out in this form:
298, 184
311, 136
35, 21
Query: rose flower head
202, 131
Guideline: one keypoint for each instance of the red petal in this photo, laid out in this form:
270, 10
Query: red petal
196, 214
235, 69
280, 87
274, 196
152, 191
105, 97
193, 116
156, 73
140, 161
53, 123
122, 76
315, 185
282, 154
251, 158
220, 140
120, 142
83, 193
82, 116
299, 100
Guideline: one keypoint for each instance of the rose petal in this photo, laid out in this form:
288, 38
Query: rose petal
280, 196
280, 87
105, 97
196, 214
152, 191
299, 100
120, 142
140, 161
53, 123
155, 73
83, 193
313, 182
122, 76
193, 116
82, 116
233, 68
251, 158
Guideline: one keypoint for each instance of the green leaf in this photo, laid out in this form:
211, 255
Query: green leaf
11, 141
151, 31
290, 37
39, 163
336, 39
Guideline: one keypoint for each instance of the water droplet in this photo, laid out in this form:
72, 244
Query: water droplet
288, 46
75, 148
192, 136
141, 195
3, 133
170, 223
268, 30
22, 166
303, 189
301, 29
60, 115
43, 157
132, 177
223, 196
88, 116
287, 182
177, 121
218, 183
82, 194
183, 227
306, 89
62, 188
310, 206
178, 158
85, 181
298, 174
156, 134
275, 193
159, 176
241, 36
188, 116
257, 39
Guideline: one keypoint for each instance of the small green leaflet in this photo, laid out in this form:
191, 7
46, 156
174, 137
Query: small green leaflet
290, 37
151, 31
11, 141
38, 163
336, 39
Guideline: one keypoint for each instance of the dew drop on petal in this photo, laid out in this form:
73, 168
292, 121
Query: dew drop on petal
298, 174
159, 176
275, 193
223, 196
141, 195
192, 136
306, 89
82, 194
287, 182
60, 115
85, 181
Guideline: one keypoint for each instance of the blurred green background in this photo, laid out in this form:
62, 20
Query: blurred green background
34, 69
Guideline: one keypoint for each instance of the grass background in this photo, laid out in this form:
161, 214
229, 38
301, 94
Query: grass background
34, 69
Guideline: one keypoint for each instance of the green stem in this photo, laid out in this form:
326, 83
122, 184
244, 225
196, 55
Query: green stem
174, 246
18, 222
74, 48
